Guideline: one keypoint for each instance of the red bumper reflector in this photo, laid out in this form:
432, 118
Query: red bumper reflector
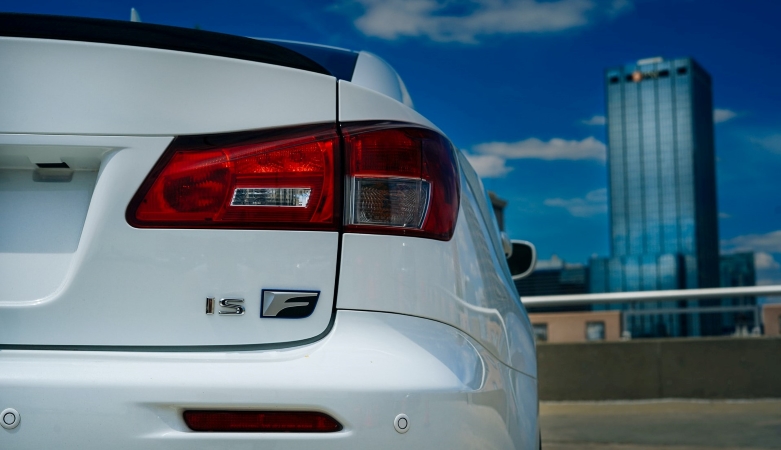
261, 421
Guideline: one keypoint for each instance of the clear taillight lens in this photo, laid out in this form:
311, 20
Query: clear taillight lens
280, 179
401, 179
394, 202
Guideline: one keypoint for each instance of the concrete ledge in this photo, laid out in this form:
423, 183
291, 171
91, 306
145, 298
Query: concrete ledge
715, 368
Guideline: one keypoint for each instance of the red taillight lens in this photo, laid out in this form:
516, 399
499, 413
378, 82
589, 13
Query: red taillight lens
261, 421
401, 179
283, 179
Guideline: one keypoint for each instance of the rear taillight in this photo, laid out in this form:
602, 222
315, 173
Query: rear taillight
283, 179
401, 179
261, 421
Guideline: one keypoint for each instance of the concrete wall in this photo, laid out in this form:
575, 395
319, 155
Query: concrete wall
571, 327
729, 368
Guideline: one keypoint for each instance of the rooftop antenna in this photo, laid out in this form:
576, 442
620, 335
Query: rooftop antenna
134, 16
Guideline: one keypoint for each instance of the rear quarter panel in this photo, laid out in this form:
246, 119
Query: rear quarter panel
464, 282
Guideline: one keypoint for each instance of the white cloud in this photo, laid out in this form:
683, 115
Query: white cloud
490, 159
596, 120
465, 21
489, 166
719, 116
765, 261
595, 202
767, 268
554, 149
619, 7
723, 215
772, 143
723, 115
769, 242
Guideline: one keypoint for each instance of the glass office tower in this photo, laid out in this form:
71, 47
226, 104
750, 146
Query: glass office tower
663, 217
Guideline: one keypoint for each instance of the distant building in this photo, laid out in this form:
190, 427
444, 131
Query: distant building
555, 277
771, 319
662, 191
498, 205
576, 326
737, 269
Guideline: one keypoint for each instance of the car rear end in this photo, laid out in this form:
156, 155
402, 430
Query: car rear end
210, 240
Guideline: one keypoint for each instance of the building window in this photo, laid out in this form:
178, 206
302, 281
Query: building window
614, 80
682, 71
595, 331
540, 332
664, 73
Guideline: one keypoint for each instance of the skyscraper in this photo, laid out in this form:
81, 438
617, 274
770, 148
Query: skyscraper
661, 162
738, 269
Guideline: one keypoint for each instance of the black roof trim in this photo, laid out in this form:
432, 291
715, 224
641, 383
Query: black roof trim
153, 36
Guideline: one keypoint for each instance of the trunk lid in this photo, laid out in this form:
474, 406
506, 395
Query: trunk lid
82, 126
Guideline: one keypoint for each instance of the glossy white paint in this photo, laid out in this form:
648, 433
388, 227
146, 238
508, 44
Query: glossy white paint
369, 369
372, 72
122, 286
49, 86
41, 247
443, 281
358, 103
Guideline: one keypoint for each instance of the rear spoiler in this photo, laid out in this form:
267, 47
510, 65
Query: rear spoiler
162, 37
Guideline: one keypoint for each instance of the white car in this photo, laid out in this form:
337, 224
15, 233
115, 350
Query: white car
215, 241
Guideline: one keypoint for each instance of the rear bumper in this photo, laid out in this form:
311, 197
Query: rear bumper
371, 367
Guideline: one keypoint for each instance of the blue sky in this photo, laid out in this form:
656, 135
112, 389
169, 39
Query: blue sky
518, 85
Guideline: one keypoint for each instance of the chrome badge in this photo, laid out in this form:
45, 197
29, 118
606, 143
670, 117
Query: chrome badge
288, 304
233, 305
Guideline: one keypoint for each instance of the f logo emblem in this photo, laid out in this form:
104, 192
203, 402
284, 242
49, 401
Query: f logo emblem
288, 304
